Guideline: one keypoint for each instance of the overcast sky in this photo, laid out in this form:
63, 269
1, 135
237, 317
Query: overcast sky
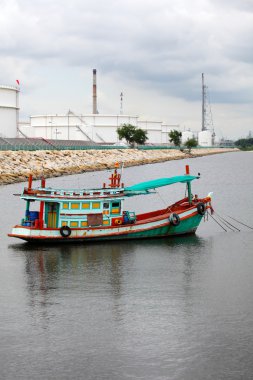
153, 51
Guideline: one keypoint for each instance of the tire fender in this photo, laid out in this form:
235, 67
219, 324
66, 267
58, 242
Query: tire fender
201, 207
65, 231
174, 219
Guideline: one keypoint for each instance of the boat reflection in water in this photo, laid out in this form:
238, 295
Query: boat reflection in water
95, 271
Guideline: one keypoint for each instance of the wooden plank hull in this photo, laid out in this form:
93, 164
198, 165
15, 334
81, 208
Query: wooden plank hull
150, 228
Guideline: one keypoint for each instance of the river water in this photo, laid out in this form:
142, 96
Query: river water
157, 309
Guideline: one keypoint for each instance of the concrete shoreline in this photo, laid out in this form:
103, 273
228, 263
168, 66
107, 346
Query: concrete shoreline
15, 166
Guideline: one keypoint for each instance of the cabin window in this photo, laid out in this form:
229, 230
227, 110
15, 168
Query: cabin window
85, 205
95, 205
73, 224
65, 205
115, 211
64, 223
84, 224
75, 206
106, 222
106, 208
115, 208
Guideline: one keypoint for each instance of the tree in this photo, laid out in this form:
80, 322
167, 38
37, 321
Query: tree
140, 136
191, 143
175, 137
126, 132
132, 134
245, 144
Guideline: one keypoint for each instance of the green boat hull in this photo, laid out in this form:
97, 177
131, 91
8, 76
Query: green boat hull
186, 226
165, 228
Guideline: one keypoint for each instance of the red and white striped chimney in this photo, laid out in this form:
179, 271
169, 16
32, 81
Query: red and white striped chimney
95, 111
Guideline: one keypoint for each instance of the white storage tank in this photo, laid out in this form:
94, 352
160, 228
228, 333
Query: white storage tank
187, 135
8, 111
205, 138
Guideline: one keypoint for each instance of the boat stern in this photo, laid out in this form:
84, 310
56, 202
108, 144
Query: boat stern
31, 233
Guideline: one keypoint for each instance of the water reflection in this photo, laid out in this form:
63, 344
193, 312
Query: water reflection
126, 296
167, 308
51, 262
45, 265
109, 272
53, 272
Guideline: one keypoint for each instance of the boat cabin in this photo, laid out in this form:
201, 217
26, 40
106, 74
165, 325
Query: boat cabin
76, 208
98, 214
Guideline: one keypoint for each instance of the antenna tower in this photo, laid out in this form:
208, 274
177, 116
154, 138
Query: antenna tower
207, 118
121, 103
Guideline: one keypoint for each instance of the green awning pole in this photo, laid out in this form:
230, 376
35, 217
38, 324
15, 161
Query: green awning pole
189, 192
27, 209
187, 172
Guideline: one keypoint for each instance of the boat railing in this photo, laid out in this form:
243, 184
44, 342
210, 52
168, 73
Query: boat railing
41, 191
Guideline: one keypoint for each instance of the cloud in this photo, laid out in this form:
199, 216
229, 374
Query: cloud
159, 47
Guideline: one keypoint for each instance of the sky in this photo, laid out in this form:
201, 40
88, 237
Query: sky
153, 51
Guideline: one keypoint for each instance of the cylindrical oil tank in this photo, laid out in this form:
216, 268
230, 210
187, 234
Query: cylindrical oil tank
205, 138
9, 109
186, 135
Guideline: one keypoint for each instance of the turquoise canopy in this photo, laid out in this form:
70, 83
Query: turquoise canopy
145, 186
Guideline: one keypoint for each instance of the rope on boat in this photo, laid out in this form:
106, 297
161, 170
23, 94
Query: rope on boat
227, 223
217, 222
223, 222
161, 198
240, 222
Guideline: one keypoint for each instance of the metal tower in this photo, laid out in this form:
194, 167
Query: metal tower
207, 118
121, 103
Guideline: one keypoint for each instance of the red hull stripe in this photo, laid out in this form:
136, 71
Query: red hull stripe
118, 233
140, 222
91, 236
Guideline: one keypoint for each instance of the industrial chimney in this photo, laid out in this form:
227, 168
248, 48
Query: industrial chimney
204, 88
95, 111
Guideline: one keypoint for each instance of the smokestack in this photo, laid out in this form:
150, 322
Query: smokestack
203, 104
95, 111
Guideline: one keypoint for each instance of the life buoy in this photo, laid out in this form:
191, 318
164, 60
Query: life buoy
201, 207
118, 221
174, 219
65, 231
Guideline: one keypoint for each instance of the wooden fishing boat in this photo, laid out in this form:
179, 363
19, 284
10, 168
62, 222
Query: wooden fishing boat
99, 214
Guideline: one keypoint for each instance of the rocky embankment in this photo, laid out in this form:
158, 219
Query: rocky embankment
15, 166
